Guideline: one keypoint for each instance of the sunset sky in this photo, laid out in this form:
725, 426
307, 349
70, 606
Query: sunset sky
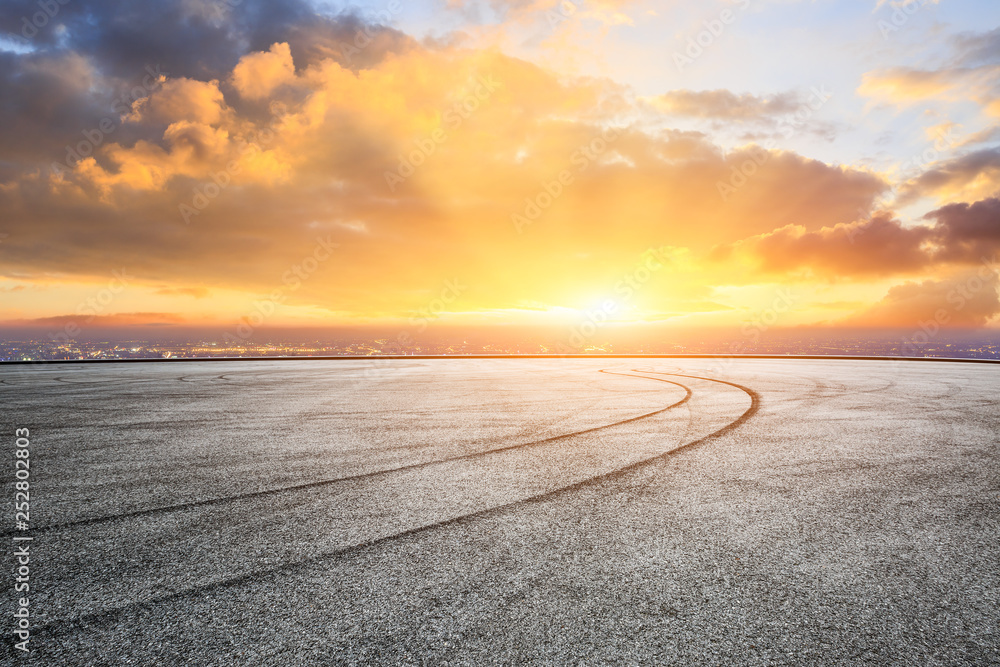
193, 162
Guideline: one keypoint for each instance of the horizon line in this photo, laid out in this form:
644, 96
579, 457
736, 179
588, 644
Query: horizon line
800, 357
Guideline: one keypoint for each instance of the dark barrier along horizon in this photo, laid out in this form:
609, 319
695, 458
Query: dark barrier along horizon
798, 357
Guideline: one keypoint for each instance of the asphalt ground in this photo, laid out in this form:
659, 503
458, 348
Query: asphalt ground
509, 512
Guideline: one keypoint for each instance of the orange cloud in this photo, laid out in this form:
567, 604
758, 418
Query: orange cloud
903, 86
183, 100
964, 301
962, 234
879, 246
970, 177
413, 162
476, 138
194, 292
258, 74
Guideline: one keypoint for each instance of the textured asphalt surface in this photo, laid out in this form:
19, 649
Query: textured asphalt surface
475, 512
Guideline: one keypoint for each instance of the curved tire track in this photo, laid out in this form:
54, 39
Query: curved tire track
109, 617
350, 478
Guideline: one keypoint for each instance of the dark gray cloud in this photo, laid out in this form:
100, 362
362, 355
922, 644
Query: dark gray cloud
961, 233
769, 118
727, 105
978, 48
968, 232
191, 39
951, 174
879, 246
89, 61
200, 39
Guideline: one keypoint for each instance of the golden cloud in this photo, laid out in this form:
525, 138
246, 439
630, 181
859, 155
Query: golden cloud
258, 74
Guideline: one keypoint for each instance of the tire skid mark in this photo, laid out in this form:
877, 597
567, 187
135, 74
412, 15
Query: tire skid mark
953, 389
184, 378
350, 478
115, 381
109, 617
74, 408
411, 448
85, 382
554, 404
877, 390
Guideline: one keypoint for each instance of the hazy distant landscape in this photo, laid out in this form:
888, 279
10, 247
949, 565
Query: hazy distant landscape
946, 344
512, 511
